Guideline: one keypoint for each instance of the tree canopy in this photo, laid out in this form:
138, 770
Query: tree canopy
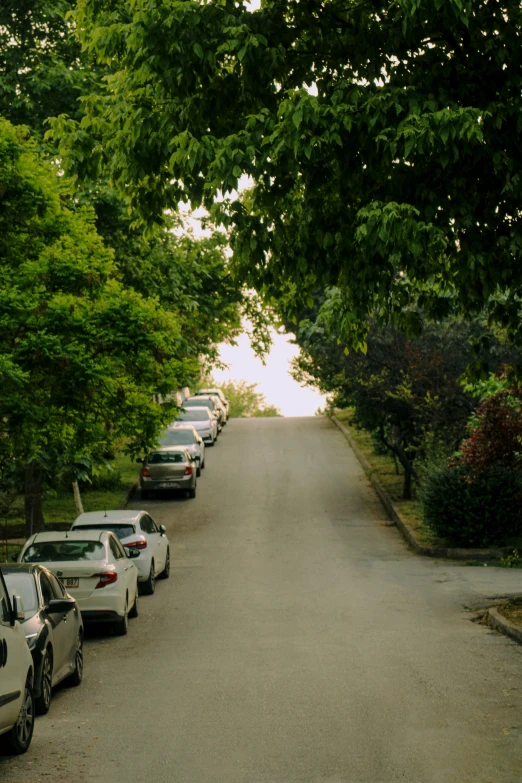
245, 400
381, 140
81, 355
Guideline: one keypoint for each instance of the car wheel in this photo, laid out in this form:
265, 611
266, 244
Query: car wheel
43, 702
148, 587
210, 443
192, 492
134, 611
144, 494
77, 676
17, 740
203, 465
198, 471
121, 626
166, 571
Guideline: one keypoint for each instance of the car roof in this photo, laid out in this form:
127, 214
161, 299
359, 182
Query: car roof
20, 568
72, 535
202, 397
111, 515
182, 449
181, 425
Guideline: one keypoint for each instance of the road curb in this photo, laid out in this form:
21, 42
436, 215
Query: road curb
451, 553
129, 494
500, 623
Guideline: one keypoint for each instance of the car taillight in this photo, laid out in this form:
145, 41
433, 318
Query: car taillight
145, 472
188, 472
136, 545
106, 579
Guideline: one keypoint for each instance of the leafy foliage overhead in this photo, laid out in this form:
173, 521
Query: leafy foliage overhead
382, 140
81, 356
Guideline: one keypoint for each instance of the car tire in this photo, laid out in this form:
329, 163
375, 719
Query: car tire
18, 739
144, 494
149, 586
43, 702
198, 472
121, 626
166, 571
203, 465
76, 677
210, 443
134, 611
192, 492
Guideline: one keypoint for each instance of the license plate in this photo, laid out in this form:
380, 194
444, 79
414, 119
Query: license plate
168, 485
71, 581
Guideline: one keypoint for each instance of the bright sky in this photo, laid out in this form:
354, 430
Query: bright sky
273, 378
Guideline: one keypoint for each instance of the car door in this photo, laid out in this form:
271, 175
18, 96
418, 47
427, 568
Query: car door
59, 625
157, 542
126, 569
70, 623
12, 679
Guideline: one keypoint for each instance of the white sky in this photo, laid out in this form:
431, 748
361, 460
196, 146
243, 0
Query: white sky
273, 378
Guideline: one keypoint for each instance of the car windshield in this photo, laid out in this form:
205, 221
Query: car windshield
199, 403
62, 551
122, 531
24, 586
177, 438
163, 457
194, 415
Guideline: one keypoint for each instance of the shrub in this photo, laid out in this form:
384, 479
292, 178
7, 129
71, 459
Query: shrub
473, 511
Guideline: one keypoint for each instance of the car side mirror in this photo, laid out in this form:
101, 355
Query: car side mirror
162, 529
133, 553
18, 608
60, 605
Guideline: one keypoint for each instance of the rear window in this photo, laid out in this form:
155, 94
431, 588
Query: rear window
199, 403
122, 531
63, 551
177, 438
166, 457
194, 415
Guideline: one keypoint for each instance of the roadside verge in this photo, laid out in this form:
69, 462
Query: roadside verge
453, 553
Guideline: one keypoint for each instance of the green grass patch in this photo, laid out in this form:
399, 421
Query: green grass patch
107, 492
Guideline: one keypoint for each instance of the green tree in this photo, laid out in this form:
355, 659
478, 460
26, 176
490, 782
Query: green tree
245, 401
81, 355
381, 139
408, 391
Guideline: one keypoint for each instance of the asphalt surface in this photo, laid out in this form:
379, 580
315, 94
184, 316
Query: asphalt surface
297, 641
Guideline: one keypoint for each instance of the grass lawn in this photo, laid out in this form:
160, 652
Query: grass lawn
58, 507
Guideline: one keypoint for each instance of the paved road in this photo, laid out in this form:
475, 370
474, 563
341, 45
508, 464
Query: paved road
297, 641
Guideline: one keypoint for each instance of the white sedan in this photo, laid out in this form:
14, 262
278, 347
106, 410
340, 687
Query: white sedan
94, 568
137, 531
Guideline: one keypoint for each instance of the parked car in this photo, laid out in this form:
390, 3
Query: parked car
219, 393
184, 434
136, 530
203, 420
16, 677
213, 405
53, 628
169, 468
94, 567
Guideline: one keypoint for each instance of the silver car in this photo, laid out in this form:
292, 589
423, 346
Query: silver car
203, 420
169, 468
183, 434
218, 393
206, 401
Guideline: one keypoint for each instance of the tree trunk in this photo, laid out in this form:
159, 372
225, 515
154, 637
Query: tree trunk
77, 498
406, 487
34, 519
